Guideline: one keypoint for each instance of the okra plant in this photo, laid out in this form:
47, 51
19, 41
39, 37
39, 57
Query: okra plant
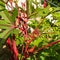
29, 30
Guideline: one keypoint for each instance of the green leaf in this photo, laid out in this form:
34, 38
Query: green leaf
5, 33
56, 15
15, 31
5, 16
4, 24
2, 6
14, 15
42, 57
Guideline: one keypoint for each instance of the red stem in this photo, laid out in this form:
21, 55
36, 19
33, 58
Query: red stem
43, 47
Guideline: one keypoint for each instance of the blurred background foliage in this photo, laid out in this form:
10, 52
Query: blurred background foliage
49, 29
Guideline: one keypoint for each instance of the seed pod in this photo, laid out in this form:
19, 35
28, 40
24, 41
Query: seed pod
45, 4
9, 43
32, 49
26, 49
28, 41
14, 48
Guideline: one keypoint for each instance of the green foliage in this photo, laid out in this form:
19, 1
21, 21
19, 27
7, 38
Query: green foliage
49, 31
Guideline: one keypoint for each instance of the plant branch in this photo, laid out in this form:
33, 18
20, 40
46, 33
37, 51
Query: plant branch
50, 44
32, 14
